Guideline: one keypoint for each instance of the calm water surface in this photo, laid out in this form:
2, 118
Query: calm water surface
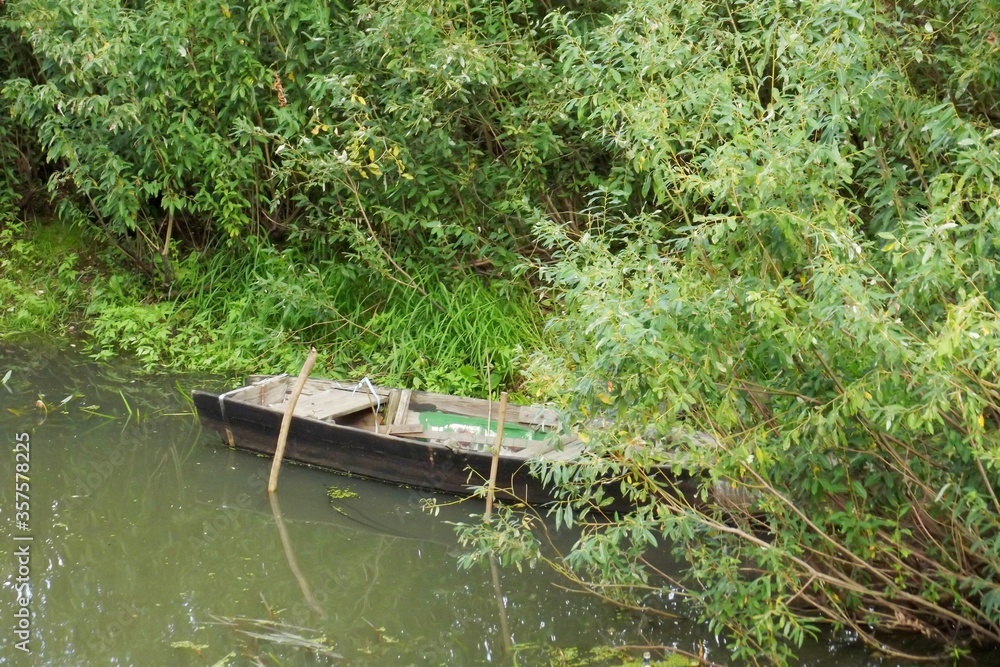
152, 545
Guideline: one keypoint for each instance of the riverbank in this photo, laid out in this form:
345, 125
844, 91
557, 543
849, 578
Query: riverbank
256, 307
771, 223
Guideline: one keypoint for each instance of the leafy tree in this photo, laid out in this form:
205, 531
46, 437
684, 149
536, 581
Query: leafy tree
791, 284
319, 158
384, 130
20, 160
136, 106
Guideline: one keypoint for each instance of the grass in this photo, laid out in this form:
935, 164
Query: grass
44, 275
258, 308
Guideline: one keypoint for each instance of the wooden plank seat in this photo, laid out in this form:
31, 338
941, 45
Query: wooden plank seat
331, 403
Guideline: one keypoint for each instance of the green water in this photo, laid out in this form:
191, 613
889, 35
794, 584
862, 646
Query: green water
149, 544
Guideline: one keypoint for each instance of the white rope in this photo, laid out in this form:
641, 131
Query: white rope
365, 382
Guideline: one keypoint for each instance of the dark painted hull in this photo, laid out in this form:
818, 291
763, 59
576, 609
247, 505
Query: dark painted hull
354, 451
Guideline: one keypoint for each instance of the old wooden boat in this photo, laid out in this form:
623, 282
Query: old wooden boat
413, 438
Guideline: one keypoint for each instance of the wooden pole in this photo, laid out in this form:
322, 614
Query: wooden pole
491, 488
286, 421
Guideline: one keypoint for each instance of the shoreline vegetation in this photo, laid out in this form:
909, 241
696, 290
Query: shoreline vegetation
765, 235
242, 310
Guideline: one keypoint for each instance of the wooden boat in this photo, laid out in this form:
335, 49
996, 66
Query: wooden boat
413, 438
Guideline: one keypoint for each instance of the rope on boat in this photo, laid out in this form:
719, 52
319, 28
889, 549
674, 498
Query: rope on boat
225, 395
365, 382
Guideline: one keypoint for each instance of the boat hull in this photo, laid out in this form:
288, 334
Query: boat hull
354, 451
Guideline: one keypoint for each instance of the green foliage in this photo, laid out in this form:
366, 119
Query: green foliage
338, 493
135, 106
437, 132
398, 132
20, 156
790, 283
256, 312
533, 654
768, 233
43, 277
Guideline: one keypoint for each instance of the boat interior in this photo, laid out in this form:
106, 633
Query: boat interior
455, 422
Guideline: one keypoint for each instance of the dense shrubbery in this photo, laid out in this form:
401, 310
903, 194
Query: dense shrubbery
20, 160
804, 305
768, 234
254, 312
259, 170
391, 130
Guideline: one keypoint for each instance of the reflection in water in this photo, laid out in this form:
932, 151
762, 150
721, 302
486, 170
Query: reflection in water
293, 563
145, 531
508, 643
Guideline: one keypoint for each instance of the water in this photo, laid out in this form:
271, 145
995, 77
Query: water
151, 545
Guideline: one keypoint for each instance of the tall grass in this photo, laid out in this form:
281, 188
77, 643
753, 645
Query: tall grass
467, 335
257, 308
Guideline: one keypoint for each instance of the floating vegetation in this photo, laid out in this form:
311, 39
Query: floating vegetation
225, 660
338, 493
280, 634
600, 656
197, 648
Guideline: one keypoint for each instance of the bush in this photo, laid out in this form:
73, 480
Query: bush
803, 305
396, 132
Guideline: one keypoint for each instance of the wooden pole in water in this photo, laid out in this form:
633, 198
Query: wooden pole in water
286, 421
491, 488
